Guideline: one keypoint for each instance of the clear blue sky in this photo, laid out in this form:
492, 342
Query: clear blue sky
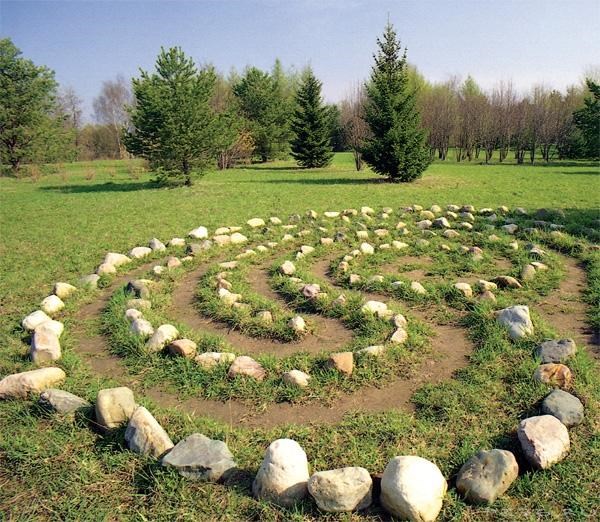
527, 41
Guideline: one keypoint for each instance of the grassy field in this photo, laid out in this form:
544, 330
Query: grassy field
59, 226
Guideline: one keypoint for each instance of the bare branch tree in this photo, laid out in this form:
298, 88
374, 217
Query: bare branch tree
109, 107
354, 126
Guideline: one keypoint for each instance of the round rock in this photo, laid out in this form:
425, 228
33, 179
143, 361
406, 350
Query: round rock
565, 407
344, 489
544, 440
556, 351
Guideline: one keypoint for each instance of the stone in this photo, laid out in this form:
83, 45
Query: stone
487, 295
34, 319
417, 288
527, 273
55, 327
565, 407
381, 232
222, 239
237, 238
425, 224
441, 222
176, 242
354, 279
114, 406
296, 378
511, 228
255, 222
90, 281
244, 365
283, 475
399, 321
436, 209
464, 288
399, 245
367, 211
339, 490
487, 285
422, 243
514, 245
131, 314
544, 440
45, 345
413, 488
343, 362
209, 360
538, 266
554, 374
265, 317
106, 269
183, 348
517, 320
145, 435
228, 265
311, 291
141, 327
173, 262
199, 233
139, 252
297, 324
450, 234
163, 335
52, 305
365, 248
25, 384
487, 475
399, 336
306, 249
287, 268
275, 220
426, 214
195, 249
556, 351
116, 259
63, 290
228, 297
331, 214
156, 245
340, 300
374, 307
376, 279
198, 457
465, 225
326, 241
62, 402
374, 350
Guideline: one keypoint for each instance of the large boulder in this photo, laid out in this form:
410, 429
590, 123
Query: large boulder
145, 435
45, 345
22, 385
61, 401
34, 319
200, 458
114, 406
544, 440
487, 475
413, 488
162, 336
565, 407
517, 321
556, 351
344, 489
283, 475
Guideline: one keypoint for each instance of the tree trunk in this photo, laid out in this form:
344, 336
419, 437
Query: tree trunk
357, 160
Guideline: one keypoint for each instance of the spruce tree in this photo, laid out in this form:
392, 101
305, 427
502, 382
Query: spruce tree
311, 145
397, 146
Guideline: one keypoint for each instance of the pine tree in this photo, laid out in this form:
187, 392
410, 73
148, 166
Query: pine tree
397, 146
311, 145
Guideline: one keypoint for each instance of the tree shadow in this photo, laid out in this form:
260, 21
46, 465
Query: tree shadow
267, 167
582, 172
321, 181
109, 186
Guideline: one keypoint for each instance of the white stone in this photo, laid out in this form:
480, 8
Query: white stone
374, 307
374, 350
131, 314
255, 222
424, 224
283, 475
339, 490
275, 220
418, 288
399, 336
176, 242
199, 233
106, 269
296, 378
45, 345
517, 321
115, 259
211, 359
34, 319
511, 228
33, 382
90, 281
139, 252
399, 245
145, 435
237, 238
544, 440
56, 327
367, 211
365, 248
157, 245
114, 406
141, 327
63, 290
163, 335
413, 488
52, 304
331, 214
297, 324
464, 288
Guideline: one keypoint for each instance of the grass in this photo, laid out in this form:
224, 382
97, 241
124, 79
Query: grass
59, 226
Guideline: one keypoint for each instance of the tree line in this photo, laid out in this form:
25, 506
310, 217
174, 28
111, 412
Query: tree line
184, 118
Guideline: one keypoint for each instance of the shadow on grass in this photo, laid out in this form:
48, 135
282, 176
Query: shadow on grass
582, 172
320, 181
106, 187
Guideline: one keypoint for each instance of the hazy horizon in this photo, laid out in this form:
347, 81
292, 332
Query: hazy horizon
529, 43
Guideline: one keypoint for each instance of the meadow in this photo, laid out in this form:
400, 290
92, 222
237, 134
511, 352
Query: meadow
57, 227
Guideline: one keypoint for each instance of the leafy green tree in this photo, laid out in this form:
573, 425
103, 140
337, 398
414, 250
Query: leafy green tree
587, 120
311, 145
172, 123
397, 145
261, 101
31, 126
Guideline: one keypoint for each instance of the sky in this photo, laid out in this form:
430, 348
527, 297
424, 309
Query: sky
529, 42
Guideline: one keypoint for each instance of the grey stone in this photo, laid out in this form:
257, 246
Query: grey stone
487, 475
62, 401
556, 351
145, 435
565, 407
139, 287
200, 458
344, 489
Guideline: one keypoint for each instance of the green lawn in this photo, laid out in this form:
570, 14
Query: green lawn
60, 226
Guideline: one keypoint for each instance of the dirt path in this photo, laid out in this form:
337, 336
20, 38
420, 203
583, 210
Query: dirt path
565, 308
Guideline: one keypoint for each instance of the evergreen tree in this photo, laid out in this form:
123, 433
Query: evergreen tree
397, 145
311, 145
32, 128
172, 123
587, 120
